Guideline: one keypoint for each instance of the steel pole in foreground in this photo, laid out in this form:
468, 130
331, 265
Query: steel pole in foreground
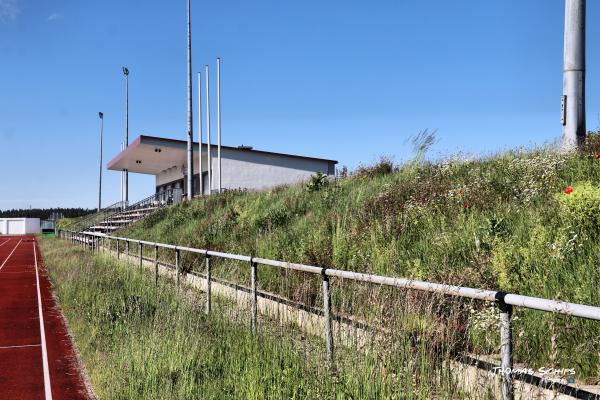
190, 135
126, 173
219, 121
573, 99
209, 160
200, 133
101, 115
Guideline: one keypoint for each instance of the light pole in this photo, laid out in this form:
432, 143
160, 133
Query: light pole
122, 180
101, 115
573, 98
190, 135
125, 172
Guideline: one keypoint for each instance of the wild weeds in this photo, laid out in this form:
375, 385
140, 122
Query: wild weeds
495, 223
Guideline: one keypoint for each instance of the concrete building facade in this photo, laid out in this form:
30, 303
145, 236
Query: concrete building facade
241, 167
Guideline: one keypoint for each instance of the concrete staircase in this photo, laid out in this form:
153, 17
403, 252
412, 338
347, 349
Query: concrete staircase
119, 215
122, 219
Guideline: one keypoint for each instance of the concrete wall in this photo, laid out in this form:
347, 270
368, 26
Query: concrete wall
248, 170
254, 170
169, 175
19, 226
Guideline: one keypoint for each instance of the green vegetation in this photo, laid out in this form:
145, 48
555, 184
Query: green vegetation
502, 222
139, 341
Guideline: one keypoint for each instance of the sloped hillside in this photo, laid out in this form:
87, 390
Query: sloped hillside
526, 222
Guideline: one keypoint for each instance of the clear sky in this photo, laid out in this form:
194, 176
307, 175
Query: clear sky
349, 80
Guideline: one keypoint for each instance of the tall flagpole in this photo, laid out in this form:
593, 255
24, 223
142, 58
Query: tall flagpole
208, 144
190, 136
200, 133
101, 115
219, 121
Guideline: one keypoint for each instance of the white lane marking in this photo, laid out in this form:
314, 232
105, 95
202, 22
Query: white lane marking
47, 387
20, 346
11, 253
3, 243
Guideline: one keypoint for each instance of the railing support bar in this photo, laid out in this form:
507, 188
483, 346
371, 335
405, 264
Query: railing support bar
177, 266
327, 319
156, 265
506, 350
140, 250
208, 284
253, 297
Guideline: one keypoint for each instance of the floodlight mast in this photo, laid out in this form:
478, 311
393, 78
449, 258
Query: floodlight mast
122, 180
190, 135
101, 115
573, 98
125, 171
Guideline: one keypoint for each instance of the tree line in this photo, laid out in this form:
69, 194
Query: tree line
45, 213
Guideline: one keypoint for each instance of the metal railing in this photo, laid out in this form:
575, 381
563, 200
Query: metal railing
98, 217
156, 200
504, 301
160, 199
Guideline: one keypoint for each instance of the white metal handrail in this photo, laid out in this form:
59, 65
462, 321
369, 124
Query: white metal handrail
504, 300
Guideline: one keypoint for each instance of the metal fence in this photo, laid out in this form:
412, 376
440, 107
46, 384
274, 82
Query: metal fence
93, 219
504, 301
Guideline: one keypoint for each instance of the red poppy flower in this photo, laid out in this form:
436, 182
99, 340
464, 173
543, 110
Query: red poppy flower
569, 190
465, 205
597, 156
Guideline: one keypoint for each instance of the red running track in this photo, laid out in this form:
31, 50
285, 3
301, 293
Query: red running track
37, 360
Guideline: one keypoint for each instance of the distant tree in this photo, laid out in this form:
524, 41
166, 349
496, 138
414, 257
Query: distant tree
45, 213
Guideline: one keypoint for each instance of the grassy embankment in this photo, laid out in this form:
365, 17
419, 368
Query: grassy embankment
139, 341
501, 222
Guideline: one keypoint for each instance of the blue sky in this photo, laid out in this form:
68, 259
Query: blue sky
349, 80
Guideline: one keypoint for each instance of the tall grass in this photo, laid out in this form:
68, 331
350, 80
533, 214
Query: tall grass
498, 222
140, 341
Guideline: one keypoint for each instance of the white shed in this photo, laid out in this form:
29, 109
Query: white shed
19, 226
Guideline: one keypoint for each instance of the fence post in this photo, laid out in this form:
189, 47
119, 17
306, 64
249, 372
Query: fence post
327, 318
127, 249
177, 261
156, 265
118, 254
140, 250
253, 295
208, 285
506, 351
